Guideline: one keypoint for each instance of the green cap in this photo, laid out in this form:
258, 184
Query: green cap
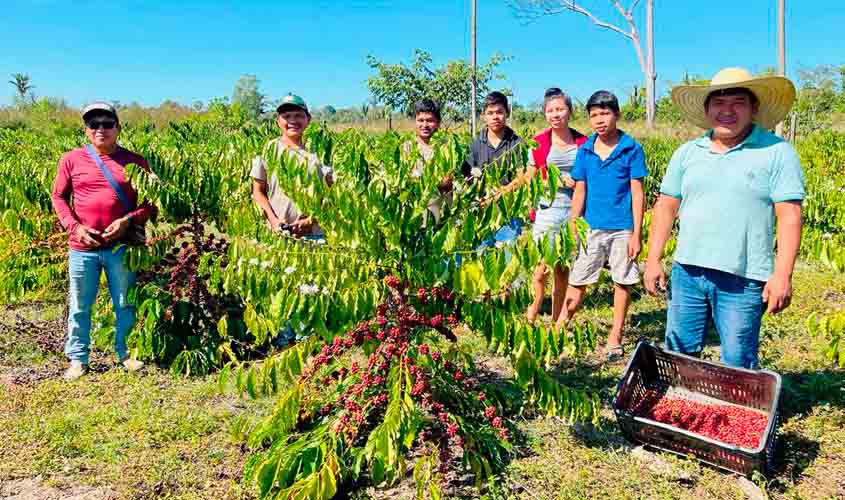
293, 101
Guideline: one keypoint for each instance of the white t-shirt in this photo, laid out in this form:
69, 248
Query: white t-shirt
284, 208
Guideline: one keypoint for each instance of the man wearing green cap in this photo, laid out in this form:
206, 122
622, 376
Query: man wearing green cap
292, 117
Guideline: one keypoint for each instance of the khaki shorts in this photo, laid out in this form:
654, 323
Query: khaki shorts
604, 247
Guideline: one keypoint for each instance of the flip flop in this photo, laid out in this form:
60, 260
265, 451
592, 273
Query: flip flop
614, 354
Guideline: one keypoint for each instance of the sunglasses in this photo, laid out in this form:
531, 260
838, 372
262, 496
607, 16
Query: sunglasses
96, 124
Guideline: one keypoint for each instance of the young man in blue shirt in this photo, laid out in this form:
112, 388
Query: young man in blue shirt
727, 188
608, 174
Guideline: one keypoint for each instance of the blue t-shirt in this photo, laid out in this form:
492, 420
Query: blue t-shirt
727, 201
607, 204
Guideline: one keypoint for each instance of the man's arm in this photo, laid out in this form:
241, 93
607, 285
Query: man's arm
577, 205
522, 177
663, 218
778, 290
470, 162
259, 195
637, 206
62, 190
61, 197
145, 210
578, 200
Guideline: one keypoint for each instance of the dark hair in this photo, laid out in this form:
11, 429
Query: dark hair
556, 93
427, 106
494, 98
733, 91
603, 99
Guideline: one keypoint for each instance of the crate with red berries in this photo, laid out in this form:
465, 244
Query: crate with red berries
726, 417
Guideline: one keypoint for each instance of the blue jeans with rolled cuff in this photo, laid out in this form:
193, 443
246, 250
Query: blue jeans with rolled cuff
84, 270
734, 304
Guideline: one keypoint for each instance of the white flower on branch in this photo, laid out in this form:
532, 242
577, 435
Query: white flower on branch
475, 172
518, 282
309, 289
290, 270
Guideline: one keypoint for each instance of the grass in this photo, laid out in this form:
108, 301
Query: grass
158, 436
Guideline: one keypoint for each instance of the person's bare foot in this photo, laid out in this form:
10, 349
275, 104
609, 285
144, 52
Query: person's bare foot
562, 323
531, 313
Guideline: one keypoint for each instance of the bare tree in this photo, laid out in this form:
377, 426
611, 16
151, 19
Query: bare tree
533, 9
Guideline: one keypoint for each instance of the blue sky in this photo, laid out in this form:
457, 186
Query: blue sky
187, 50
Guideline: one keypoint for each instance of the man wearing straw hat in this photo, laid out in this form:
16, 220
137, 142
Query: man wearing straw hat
727, 188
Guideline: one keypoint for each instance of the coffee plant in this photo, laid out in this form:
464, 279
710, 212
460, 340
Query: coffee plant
376, 383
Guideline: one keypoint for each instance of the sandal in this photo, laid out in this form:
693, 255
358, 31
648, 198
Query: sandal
614, 354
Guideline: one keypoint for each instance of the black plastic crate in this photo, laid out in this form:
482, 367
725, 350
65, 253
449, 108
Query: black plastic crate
652, 368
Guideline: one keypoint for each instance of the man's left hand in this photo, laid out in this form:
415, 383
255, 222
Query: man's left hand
116, 229
777, 293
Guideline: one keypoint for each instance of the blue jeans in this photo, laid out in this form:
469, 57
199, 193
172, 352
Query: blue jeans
84, 270
506, 234
735, 305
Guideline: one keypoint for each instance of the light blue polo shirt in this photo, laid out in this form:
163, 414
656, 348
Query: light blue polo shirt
727, 201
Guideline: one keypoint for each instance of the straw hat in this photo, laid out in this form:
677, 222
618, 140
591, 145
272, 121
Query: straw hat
775, 93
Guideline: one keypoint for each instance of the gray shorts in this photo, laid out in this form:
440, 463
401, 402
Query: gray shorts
602, 247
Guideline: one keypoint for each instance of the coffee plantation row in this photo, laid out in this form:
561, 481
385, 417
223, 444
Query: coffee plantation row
376, 375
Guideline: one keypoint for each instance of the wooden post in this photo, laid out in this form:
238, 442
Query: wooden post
651, 76
781, 50
474, 111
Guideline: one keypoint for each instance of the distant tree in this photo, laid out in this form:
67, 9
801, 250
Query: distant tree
635, 107
400, 86
23, 87
666, 109
533, 9
820, 95
842, 79
526, 115
247, 96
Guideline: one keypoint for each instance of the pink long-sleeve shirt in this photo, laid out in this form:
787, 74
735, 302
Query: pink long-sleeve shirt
95, 204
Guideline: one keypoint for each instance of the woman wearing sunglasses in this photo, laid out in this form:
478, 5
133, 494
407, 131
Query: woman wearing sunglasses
103, 208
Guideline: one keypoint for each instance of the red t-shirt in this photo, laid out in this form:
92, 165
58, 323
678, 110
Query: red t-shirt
95, 204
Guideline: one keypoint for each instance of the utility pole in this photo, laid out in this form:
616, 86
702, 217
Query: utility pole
651, 77
474, 72
781, 50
